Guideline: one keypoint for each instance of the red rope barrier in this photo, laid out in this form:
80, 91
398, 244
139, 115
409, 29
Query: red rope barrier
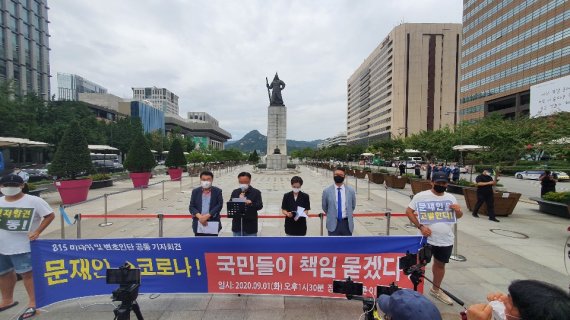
188, 216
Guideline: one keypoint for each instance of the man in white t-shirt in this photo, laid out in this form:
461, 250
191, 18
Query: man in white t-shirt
432, 205
15, 252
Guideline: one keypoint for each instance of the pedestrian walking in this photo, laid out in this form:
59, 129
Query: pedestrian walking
485, 193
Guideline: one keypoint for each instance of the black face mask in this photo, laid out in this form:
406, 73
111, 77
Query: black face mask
338, 179
439, 189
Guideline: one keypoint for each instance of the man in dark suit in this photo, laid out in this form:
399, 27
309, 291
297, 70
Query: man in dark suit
339, 202
253, 203
206, 202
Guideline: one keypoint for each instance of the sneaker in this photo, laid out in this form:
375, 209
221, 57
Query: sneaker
439, 295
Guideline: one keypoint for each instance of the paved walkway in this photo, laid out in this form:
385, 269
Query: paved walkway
526, 245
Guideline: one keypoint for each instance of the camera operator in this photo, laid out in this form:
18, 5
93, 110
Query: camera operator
439, 235
527, 300
406, 304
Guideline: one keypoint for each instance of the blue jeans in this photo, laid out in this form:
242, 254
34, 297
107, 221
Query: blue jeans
238, 234
21, 263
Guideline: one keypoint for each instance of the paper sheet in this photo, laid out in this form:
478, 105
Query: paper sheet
210, 228
239, 199
300, 213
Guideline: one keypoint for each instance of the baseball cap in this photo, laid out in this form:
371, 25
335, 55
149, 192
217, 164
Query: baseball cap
439, 177
406, 304
11, 179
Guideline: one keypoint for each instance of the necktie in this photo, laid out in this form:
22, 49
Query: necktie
339, 205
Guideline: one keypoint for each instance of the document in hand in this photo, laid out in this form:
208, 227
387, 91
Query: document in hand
300, 213
211, 228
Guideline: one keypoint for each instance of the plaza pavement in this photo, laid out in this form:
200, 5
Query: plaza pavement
526, 245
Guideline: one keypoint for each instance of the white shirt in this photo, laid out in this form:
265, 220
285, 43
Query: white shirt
18, 242
343, 200
441, 233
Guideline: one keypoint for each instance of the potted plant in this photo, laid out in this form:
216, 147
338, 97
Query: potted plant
396, 182
458, 186
505, 202
101, 180
70, 162
139, 162
555, 203
175, 160
419, 185
34, 190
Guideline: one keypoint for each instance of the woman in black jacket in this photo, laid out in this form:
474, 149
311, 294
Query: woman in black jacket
290, 206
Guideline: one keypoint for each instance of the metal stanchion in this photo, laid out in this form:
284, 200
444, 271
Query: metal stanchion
105, 224
455, 256
386, 187
180, 184
160, 225
368, 187
355, 183
163, 198
322, 218
62, 223
142, 200
78, 219
388, 218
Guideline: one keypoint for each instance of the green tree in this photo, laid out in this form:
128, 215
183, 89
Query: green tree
253, 157
139, 158
72, 156
175, 157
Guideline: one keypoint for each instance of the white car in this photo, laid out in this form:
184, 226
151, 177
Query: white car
535, 175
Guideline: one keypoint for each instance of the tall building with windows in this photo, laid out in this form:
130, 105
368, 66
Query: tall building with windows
159, 98
509, 46
200, 116
408, 84
69, 86
24, 51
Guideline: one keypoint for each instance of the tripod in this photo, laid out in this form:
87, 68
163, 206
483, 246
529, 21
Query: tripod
123, 311
417, 273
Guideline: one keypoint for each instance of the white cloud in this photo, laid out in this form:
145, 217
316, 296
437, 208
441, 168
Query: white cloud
215, 54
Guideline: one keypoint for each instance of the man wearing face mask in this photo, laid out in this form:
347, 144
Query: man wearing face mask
206, 202
294, 224
253, 203
485, 193
15, 252
338, 203
527, 300
439, 235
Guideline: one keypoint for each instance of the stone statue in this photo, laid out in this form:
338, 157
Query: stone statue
277, 85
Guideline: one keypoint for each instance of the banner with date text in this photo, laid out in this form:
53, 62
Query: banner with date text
301, 266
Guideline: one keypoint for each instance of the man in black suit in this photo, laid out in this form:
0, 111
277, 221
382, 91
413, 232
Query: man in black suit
206, 202
253, 203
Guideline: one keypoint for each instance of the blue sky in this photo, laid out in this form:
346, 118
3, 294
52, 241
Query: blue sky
215, 54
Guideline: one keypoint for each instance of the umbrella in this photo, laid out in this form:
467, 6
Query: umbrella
367, 154
98, 147
469, 147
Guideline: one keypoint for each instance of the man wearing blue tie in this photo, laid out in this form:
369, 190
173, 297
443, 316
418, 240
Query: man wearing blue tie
339, 201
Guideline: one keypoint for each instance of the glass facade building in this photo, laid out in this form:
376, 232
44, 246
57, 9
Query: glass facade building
508, 46
24, 51
69, 86
152, 119
159, 98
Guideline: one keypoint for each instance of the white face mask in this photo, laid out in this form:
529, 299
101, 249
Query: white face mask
296, 190
206, 184
243, 187
499, 311
10, 191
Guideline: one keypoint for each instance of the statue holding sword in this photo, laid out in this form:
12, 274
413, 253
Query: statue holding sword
275, 98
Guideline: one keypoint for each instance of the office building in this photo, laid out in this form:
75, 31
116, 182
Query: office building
338, 140
408, 84
24, 51
159, 98
70, 86
205, 133
508, 46
107, 100
202, 117
152, 119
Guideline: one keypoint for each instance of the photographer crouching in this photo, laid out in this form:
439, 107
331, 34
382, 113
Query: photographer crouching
526, 300
435, 205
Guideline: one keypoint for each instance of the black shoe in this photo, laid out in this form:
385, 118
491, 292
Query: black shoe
475, 215
494, 219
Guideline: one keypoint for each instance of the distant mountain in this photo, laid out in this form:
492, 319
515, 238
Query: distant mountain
254, 140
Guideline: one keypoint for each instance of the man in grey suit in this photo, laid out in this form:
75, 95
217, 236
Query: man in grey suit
339, 201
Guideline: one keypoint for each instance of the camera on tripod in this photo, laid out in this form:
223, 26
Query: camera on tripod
129, 281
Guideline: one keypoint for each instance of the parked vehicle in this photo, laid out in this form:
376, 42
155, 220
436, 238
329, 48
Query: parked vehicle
535, 175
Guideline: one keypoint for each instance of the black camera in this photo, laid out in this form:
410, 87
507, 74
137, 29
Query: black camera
348, 287
412, 261
129, 280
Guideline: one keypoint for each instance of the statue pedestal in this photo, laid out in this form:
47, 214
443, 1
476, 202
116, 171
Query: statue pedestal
276, 161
